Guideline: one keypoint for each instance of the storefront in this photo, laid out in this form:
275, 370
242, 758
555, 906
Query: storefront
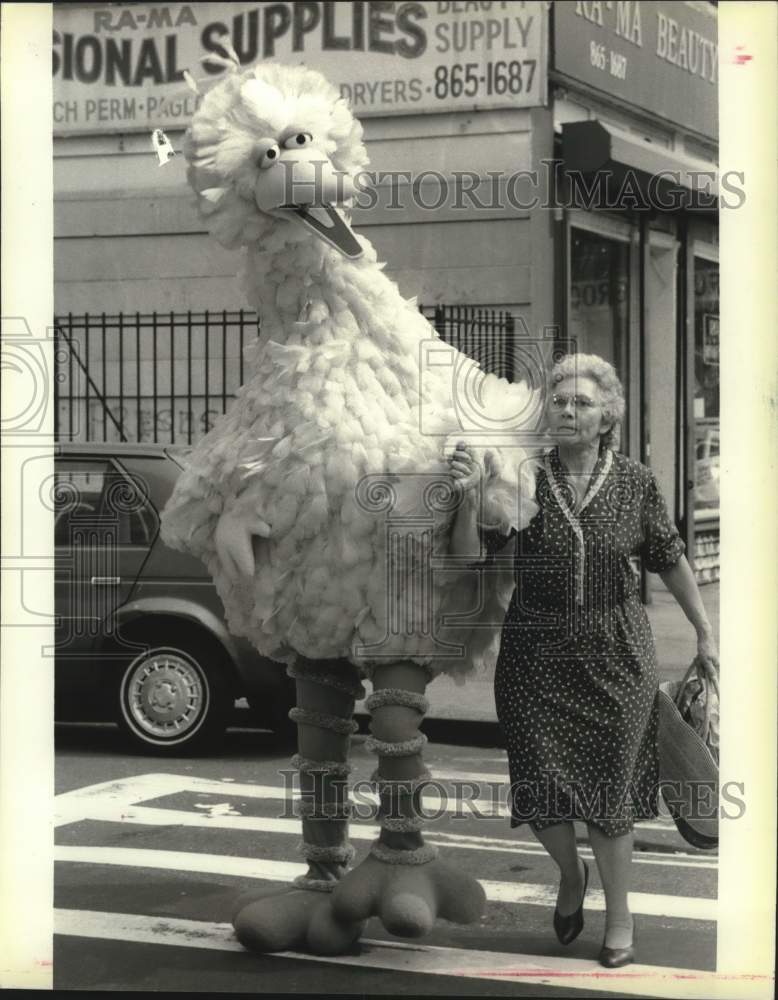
453, 99
432, 83
556, 164
634, 101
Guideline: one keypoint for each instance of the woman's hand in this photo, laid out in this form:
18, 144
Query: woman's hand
707, 658
466, 471
465, 539
679, 580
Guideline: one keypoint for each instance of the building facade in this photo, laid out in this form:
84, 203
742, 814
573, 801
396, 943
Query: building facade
635, 116
556, 161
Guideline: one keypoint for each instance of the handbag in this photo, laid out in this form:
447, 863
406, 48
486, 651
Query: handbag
688, 743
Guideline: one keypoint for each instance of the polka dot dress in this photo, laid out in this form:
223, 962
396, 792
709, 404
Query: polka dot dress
576, 680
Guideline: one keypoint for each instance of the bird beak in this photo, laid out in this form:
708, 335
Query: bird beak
328, 223
303, 186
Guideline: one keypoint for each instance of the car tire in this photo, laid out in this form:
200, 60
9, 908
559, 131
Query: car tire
177, 697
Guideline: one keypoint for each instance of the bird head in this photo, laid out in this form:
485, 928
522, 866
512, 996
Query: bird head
273, 150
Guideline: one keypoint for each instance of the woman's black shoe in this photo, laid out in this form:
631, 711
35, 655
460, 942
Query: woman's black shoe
614, 958
568, 928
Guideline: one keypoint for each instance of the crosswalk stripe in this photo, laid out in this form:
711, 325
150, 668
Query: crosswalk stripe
148, 816
433, 802
651, 904
156, 785
563, 973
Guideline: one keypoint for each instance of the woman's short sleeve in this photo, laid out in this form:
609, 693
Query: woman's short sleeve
494, 540
662, 544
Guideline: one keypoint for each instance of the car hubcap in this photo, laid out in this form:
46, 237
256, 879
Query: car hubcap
166, 697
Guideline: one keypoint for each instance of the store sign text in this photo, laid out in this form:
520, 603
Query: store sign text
125, 67
679, 45
628, 45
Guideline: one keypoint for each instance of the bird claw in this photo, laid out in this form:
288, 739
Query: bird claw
408, 899
293, 919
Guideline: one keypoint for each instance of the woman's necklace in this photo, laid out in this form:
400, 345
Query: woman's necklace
574, 516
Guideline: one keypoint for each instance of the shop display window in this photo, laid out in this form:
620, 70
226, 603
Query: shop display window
706, 387
600, 301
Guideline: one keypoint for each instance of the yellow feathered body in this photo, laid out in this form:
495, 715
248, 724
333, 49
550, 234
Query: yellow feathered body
339, 440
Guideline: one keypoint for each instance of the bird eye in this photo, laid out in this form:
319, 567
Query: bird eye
269, 157
298, 140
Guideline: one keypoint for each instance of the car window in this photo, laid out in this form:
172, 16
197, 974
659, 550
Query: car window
93, 494
180, 453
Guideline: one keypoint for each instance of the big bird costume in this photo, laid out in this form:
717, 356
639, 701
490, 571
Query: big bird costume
321, 500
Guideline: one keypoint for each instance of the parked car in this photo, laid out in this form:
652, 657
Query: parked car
140, 632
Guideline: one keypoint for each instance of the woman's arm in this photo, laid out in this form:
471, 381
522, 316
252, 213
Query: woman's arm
680, 581
465, 539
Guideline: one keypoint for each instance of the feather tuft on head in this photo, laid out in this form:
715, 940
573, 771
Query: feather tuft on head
237, 115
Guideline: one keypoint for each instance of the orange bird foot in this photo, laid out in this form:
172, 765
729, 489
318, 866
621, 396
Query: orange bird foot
293, 920
408, 899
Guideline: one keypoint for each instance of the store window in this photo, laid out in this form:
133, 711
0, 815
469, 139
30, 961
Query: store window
706, 387
599, 301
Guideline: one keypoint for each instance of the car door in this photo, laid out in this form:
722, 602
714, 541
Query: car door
104, 527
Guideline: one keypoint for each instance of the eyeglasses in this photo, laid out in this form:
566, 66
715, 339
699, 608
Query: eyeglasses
559, 402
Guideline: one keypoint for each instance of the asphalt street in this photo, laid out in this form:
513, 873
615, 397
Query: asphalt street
151, 852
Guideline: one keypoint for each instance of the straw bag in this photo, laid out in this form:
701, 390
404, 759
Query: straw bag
689, 755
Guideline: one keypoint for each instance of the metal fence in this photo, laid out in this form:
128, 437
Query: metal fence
165, 377
161, 377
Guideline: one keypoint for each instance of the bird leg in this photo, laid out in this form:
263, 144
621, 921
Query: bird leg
302, 917
402, 881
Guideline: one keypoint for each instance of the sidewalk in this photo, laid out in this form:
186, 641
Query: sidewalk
675, 646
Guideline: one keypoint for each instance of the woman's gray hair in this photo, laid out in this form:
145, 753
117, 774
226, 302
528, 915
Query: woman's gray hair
608, 383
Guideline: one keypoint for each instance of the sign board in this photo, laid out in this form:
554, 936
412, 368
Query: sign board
121, 67
660, 57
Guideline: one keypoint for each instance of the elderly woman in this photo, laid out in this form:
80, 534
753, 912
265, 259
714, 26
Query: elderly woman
576, 678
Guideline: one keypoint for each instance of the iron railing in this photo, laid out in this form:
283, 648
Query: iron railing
166, 376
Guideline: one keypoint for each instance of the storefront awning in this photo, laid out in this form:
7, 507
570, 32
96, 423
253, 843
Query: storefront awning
628, 172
